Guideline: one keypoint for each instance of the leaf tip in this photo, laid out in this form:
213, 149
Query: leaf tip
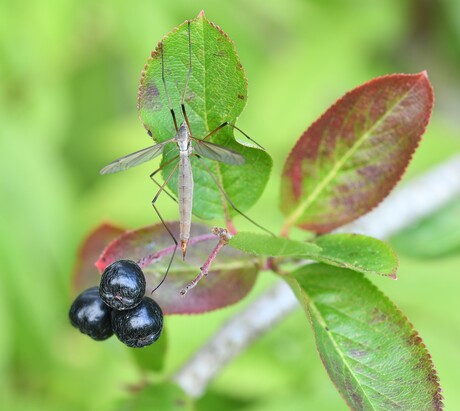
201, 14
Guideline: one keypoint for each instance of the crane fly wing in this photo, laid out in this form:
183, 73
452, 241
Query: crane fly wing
134, 159
217, 152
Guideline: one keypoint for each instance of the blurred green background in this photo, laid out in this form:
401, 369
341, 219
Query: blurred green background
69, 73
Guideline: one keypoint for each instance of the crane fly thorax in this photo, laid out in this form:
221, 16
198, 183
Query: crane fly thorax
183, 138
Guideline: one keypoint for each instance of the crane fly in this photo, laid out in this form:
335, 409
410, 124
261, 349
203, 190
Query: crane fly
187, 146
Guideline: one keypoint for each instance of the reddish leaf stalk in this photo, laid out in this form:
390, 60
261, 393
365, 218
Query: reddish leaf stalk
224, 237
285, 229
230, 226
272, 265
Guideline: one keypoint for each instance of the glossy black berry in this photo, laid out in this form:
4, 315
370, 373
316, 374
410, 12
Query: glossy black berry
122, 285
91, 316
140, 326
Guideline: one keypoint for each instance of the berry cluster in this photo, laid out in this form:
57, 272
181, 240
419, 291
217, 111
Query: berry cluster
118, 306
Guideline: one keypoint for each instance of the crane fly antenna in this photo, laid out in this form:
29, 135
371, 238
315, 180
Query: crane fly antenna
182, 104
229, 200
152, 175
189, 62
163, 186
166, 88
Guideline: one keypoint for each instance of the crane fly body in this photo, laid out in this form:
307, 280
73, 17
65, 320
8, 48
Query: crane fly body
187, 146
184, 185
183, 140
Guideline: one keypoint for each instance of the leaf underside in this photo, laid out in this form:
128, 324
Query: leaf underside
230, 278
353, 251
261, 244
370, 350
351, 158
358, 253
216, 93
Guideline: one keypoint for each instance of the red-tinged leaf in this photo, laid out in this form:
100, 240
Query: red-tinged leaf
85, 273
350, 159
370, 350
230, 278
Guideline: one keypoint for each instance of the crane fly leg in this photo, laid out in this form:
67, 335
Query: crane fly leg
152, 175
229, 200
165, 225
234, 127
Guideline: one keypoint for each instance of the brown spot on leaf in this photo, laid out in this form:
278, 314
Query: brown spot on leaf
357, 353
220, 54
149, 96
370, 172
191, 95
357, 399
377, 317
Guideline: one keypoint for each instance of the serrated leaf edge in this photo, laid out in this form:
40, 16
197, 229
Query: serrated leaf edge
297, 213
437, 399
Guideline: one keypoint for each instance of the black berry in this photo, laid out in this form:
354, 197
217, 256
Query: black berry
122, 285
90, 315
140, 326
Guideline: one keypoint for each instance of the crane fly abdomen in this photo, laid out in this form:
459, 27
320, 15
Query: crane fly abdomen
185, 194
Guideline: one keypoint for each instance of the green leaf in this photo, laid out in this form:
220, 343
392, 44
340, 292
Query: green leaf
230, 278
164, 396
152, 357
435, 236
370, 350
351, 158
217, 92
260, 244
358, 253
